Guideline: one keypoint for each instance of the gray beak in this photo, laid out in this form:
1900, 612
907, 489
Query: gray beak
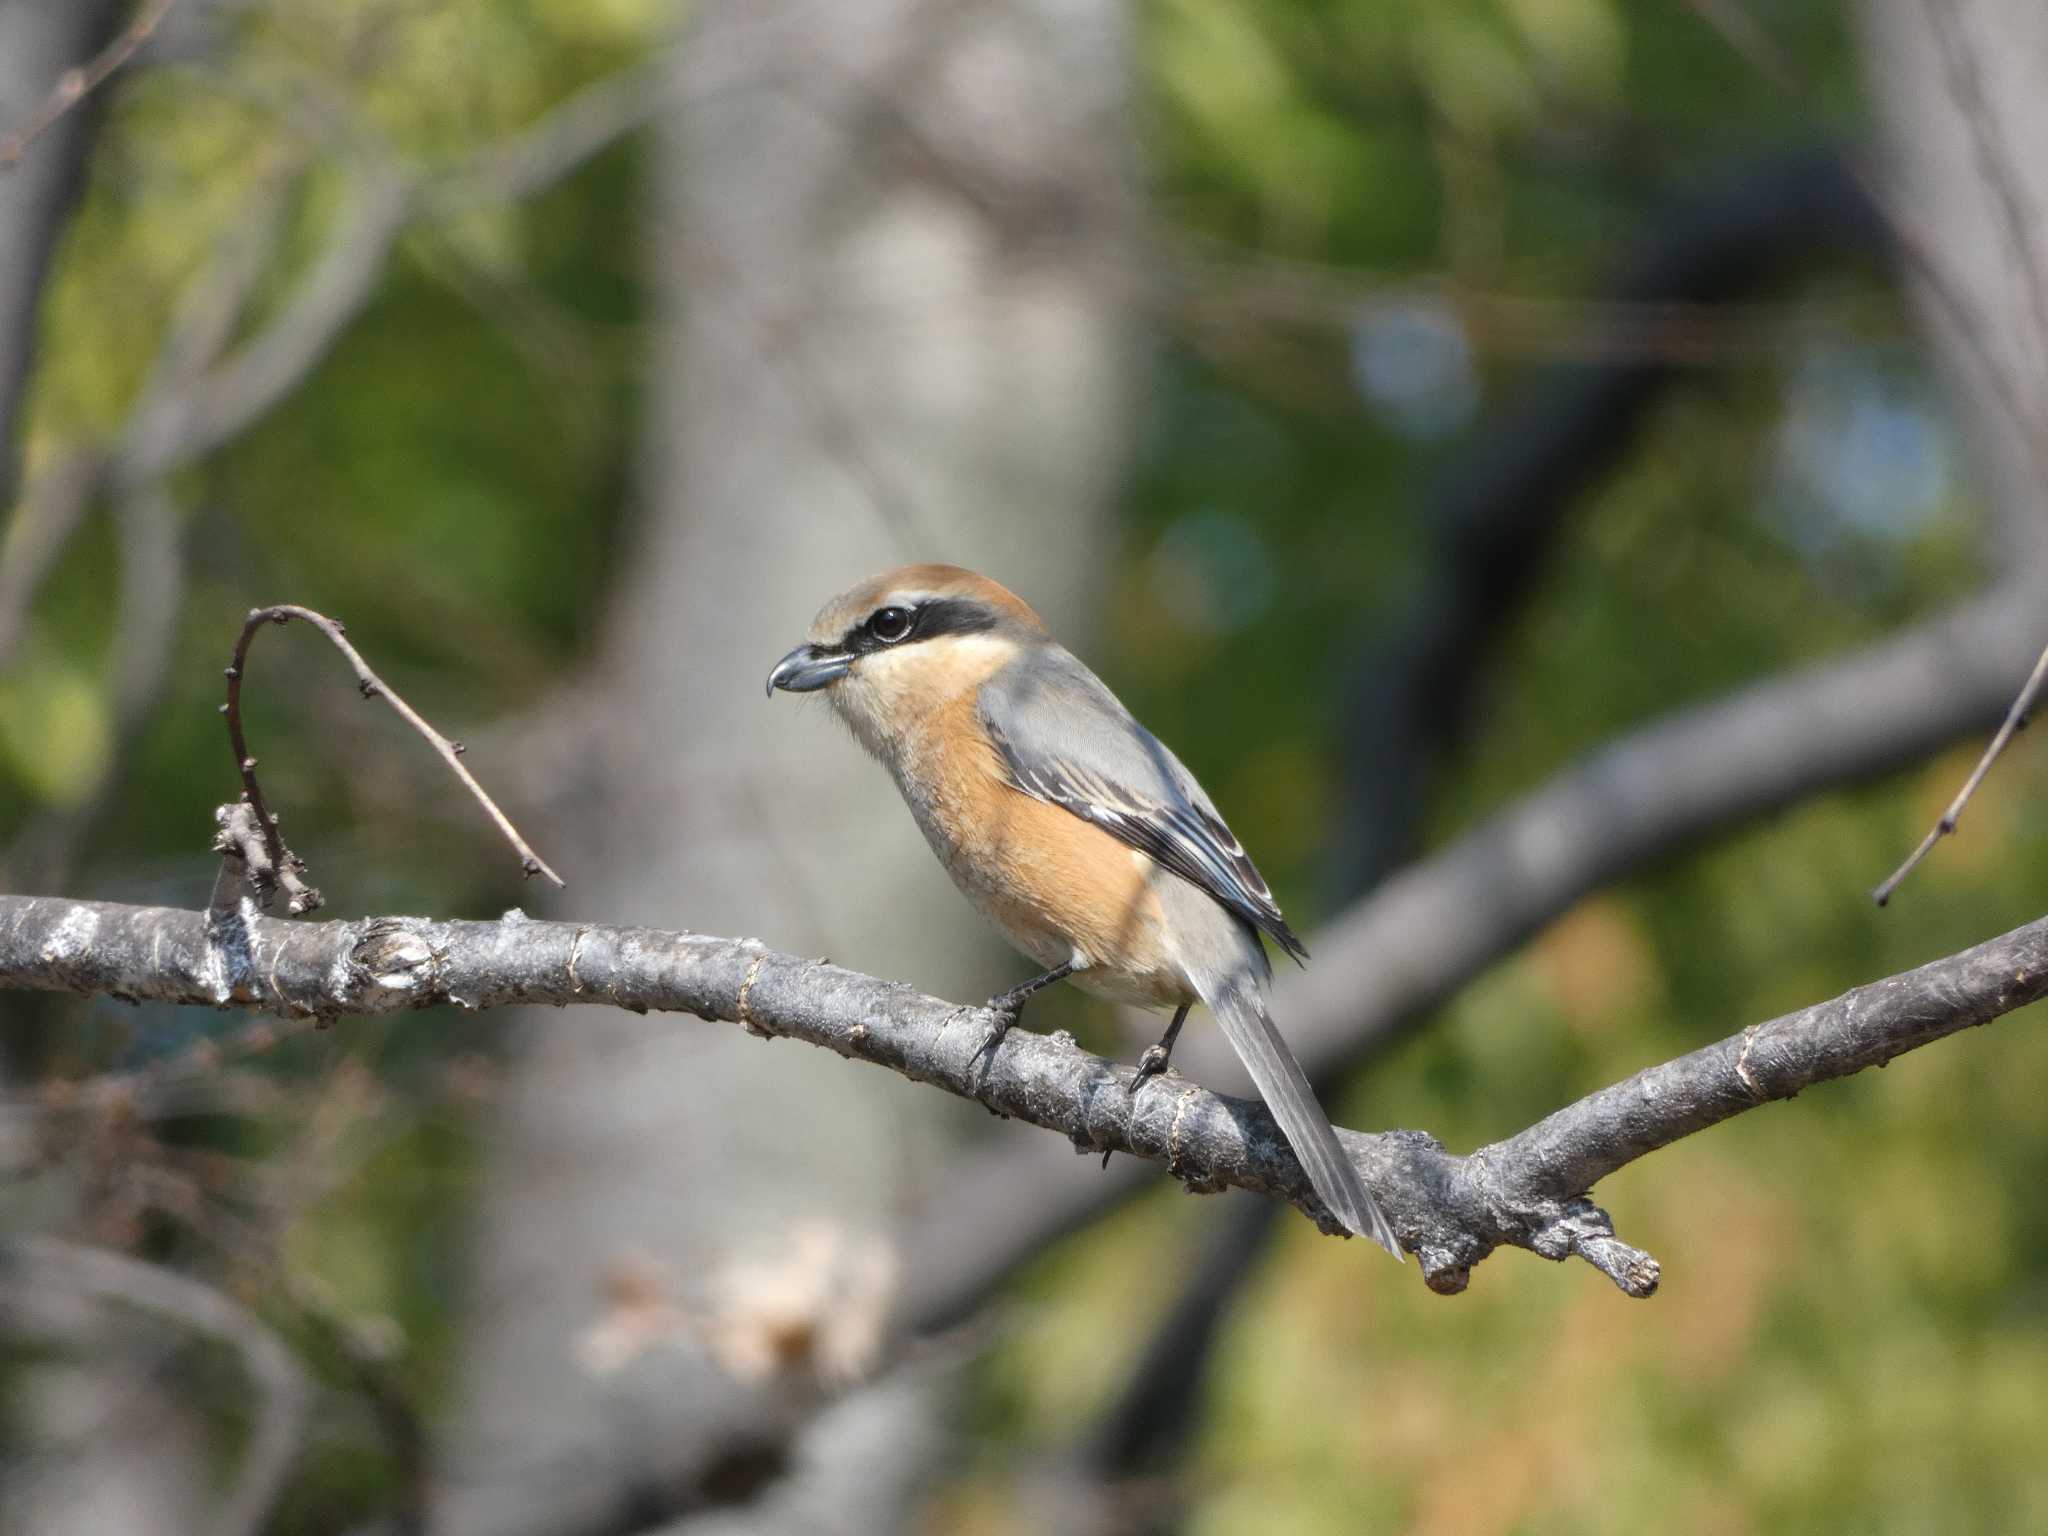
806, 669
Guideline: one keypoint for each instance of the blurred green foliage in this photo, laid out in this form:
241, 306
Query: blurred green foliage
449, 479
1851, 1331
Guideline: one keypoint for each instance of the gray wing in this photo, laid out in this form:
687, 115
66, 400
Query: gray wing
1065, 739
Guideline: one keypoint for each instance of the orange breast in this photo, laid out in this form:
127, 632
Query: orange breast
1057, 886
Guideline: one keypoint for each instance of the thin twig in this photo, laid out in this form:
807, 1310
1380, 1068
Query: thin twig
74, 85
2015, 721
281, 859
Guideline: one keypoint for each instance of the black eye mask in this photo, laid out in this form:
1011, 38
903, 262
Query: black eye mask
928, 620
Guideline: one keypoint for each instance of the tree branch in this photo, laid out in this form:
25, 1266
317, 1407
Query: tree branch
278, 1433
1527, 1192
1643, 796
74, 85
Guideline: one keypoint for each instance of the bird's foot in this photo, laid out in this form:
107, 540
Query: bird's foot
1009, 1005
1008, 1008
1151, 1062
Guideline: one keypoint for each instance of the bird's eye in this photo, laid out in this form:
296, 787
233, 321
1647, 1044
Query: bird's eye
889, 625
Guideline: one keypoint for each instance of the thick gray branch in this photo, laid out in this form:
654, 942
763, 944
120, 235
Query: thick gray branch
1528, 1191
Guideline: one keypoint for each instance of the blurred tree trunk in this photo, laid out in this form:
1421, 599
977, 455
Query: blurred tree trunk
1961, 91
39, 40
890, 245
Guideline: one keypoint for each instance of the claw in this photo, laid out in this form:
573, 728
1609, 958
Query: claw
1151, 1062
1006, 1019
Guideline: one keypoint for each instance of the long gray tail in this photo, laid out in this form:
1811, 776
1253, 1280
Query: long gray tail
1284, 1086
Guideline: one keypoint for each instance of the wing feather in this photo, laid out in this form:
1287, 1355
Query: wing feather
1063, 738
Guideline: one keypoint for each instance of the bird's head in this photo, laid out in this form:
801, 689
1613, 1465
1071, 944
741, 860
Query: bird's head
897, 646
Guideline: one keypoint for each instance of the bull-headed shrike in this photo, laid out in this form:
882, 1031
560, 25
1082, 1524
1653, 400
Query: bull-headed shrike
1069, 825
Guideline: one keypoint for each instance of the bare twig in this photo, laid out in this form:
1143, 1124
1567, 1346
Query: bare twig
1529, 1191
2015, 721
74, 85
278, 864
278, 1423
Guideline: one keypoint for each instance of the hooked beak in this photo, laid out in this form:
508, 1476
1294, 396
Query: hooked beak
806, 669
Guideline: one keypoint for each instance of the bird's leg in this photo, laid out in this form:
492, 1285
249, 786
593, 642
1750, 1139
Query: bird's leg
1008, 1007
1155, 1058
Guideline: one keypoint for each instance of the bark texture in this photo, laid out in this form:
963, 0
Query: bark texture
1528, 1191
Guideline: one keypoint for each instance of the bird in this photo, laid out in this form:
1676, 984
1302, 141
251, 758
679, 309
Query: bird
1071, 827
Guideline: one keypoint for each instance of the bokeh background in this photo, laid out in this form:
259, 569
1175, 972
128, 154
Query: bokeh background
1399, 401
